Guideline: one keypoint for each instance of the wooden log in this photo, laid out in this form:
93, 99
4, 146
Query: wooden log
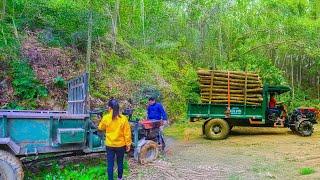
255, 90
219, 83
237, 72
232, 76
233, 98
208, 80
240, 73
222, 87
226, 101
206, 94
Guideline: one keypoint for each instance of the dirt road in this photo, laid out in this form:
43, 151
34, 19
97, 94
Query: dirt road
249, 153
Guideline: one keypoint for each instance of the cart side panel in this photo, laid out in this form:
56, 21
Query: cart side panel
237, 111
1, 127
206, 111
29, 131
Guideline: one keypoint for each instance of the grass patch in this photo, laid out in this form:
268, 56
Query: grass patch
85, 171
306, 171
184, 130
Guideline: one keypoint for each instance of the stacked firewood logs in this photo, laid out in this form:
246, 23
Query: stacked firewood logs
234, 86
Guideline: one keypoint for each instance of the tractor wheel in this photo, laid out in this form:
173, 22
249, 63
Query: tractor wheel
217, 129
230, 127
305, 128
10, 166
148, 153
293, 129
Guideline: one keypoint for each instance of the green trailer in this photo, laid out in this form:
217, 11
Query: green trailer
220, 118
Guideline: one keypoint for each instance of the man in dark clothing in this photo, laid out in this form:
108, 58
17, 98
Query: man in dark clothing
156, 111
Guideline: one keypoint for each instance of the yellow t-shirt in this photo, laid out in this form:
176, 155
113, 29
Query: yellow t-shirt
118, 131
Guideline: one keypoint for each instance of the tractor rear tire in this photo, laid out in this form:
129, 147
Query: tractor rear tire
230, 127
217, 129
10, 166
149, 152
305, 128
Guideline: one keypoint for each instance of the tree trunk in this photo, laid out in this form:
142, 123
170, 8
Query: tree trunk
318, 87
142, 21
88, 55
114, 18
118, 14
300, 70
297, 71
292, 82
220, 42
3, 14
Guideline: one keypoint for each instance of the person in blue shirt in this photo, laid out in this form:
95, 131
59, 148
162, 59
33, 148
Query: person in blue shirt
155, 110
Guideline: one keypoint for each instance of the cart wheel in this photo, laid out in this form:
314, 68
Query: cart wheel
217, 129
305, 128
10, 166
149, 152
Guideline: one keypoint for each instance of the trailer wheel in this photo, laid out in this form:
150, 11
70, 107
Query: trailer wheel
305, 128
148, 153
10, 166
217, 129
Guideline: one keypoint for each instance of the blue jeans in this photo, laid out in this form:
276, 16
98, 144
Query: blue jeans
113, 152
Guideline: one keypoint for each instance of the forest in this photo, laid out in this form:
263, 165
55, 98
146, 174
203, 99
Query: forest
164, 40
136, 48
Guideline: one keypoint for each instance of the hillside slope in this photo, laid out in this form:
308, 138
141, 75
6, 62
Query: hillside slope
154, 50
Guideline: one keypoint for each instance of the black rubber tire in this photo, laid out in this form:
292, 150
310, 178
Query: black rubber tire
10, 166
149, 152
230, 127
293, 129
305, 128
222, 126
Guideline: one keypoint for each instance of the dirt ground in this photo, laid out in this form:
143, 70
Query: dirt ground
248, 153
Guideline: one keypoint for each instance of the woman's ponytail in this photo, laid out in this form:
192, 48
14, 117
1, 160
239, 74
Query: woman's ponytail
114, 105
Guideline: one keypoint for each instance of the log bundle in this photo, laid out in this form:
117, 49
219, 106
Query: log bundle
235, 87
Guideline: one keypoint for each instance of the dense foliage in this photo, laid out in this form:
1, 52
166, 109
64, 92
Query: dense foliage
159, 44
153, 47
86, 171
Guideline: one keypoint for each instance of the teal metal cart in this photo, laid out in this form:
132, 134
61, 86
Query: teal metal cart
31, 133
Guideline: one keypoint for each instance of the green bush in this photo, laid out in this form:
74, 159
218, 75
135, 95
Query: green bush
59, 82
25, 84
306, 171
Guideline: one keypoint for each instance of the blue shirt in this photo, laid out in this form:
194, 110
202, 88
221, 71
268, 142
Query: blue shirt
156, 112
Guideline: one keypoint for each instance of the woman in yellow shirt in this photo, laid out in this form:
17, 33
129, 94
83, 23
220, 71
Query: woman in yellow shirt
118, 137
